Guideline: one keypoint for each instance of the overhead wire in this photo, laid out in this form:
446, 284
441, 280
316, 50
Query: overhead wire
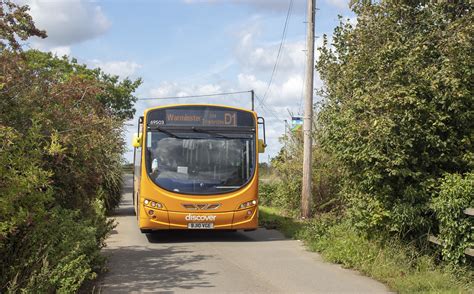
266, 108
192, 96
263, 106
277, 61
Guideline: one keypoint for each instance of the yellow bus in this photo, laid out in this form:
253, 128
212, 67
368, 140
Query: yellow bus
196, 167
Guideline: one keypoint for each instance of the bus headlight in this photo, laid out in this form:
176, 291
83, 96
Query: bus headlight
153, 204
248, 204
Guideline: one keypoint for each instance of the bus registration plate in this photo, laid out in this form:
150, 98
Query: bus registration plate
202, 226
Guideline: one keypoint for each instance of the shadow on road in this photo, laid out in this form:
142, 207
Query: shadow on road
123, 211
125, 208
198, 236
127, 189
188, 236
160, 269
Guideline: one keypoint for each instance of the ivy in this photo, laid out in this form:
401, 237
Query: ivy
456, 229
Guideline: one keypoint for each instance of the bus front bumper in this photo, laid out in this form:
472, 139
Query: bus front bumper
244, 219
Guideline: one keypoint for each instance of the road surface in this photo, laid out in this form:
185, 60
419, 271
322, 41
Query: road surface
261, 261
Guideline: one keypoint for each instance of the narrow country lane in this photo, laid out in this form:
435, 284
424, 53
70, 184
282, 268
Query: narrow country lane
198, 261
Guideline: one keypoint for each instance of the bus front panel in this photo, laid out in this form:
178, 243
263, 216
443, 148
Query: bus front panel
199, 169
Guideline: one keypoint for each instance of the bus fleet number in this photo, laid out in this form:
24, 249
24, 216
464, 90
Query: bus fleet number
157, 122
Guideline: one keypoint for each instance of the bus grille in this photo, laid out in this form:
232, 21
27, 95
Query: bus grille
192, 206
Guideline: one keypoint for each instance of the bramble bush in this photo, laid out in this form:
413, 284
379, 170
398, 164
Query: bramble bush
60, 162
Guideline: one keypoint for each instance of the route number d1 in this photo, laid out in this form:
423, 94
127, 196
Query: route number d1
230, 119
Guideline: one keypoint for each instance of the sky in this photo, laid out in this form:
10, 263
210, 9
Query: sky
193, 47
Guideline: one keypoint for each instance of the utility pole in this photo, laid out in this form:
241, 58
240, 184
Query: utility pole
308, 113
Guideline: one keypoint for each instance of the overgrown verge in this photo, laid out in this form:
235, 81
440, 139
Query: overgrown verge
402, 267
397, 114
393, 151
60, 162
393, 133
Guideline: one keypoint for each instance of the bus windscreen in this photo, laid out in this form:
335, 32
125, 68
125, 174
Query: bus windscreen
200, 149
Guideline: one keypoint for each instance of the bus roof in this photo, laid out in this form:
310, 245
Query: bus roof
199, 104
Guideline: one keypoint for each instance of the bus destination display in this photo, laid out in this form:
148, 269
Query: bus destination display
211, 118
207, 117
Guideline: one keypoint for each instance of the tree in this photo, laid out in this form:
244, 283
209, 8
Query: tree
116, 95
61, 151
15, 22
398, 108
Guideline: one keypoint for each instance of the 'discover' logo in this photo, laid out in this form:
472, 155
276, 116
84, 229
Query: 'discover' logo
191, 217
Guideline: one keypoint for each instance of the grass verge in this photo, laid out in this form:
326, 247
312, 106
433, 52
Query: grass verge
400, 266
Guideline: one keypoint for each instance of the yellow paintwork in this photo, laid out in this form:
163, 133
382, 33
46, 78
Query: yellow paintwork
136, 140
261, 146
172, 215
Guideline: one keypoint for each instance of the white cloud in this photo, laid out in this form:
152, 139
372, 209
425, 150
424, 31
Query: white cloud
250, 81
254, 60
61, 51
263, 57
120, 68
338, 3
212, 72
284, 96
175, 89
260, 57
272, 5
299, 6
67, 22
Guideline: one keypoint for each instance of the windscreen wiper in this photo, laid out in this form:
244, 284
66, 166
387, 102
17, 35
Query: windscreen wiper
198, 130
159, 129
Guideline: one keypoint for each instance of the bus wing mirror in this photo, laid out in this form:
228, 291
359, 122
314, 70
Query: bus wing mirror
261, 146
137, 140
262, 143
